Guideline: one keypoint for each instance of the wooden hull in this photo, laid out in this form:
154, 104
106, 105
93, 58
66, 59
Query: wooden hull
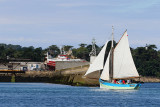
104, 84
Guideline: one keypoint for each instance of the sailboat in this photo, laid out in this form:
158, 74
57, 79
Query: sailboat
118, 66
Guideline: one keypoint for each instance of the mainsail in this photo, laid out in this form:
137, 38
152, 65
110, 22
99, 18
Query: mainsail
123, 64
98, 62
105, 72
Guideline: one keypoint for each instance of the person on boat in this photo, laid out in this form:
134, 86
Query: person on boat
120, 81
115, 81
123, 81
128, 82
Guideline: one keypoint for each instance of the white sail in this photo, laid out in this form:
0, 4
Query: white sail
105, 72
98, 62
123, 64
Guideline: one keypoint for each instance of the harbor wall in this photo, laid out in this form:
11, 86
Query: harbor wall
70, 76
50, 77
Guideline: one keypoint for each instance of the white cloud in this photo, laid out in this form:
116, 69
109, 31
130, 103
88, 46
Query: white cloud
14, 21
82, 4
73, 22
142, 43
3, 0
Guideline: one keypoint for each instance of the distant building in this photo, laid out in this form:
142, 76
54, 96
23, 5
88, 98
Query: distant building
27, 66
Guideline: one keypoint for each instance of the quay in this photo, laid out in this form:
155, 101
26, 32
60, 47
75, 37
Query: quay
12, 71
69, 76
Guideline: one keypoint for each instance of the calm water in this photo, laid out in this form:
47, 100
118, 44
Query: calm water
49, 95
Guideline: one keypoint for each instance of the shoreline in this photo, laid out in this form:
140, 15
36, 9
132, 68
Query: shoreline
62, 77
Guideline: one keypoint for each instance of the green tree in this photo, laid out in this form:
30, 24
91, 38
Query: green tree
2, 53
38, 55
67, 47
146, 60
82, 45
53, 50
89, 47
83, 53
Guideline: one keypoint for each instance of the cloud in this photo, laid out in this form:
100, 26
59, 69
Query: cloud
3, 0
81, 4
73, 22
40, 20
14, 21
138, 6
123, 3
145, 4
142, 43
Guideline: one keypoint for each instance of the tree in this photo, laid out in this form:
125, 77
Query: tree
67, 47
2, 52
89, 47
38, 55
153, 47
82, 45
53, 50
83, 53
147, 61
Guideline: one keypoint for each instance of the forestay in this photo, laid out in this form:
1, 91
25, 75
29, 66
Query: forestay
123, 64
98, 62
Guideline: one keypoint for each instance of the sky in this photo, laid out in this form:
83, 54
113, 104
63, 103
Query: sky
41, 23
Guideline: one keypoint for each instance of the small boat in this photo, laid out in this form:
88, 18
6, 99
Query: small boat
118, 66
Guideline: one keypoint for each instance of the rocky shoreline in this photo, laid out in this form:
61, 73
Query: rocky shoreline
149, 79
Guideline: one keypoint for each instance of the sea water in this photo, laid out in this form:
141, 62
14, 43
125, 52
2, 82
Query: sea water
55, 95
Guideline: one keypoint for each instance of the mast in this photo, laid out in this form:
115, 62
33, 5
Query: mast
112, 36
111, 58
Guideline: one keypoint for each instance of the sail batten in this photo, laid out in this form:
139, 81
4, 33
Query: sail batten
123, 65
98, 62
